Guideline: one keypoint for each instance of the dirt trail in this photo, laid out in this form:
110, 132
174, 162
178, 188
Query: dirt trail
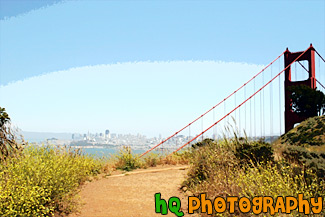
132, 195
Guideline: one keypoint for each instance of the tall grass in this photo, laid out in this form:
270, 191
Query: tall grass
126, 160
43, 180
238, 167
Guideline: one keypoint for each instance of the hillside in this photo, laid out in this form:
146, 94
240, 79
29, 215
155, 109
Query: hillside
304, 145
310, 132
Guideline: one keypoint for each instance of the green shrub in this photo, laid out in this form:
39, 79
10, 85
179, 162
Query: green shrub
43, 180
302, 156
255, 151
211, 163
310, 132
203, 143
126, 160
151, 160
277, 180
9, 147
181, 157
237, 167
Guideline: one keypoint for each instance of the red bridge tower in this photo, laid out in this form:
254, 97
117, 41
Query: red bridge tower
290, 117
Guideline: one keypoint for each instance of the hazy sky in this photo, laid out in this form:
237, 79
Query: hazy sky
139, 66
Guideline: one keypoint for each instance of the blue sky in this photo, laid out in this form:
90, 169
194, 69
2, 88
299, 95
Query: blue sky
74, 66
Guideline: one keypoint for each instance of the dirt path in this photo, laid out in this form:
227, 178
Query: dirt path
132, 195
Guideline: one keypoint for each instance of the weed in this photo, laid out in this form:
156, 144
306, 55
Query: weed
43, 180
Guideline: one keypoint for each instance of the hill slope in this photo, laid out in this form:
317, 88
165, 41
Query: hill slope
304, 145
310, 132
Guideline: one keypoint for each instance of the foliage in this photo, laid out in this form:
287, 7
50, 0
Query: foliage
181, 157
305, 145
202, 143
211, 163
306, 101
151, 160
4, 117
8, 143
238, 167
255, 151
315, 161
126, 160
278, 180
43, 180
310, 132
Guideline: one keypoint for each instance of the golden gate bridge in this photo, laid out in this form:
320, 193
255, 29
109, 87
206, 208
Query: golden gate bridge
262, 105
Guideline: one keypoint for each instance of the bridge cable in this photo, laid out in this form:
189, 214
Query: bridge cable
213, 106
189, 132
280, 99
304, 67
235, 106
239, 122
319, 70
240, 104
263, 105
296, 71
320, 83
214, 119
224, 108
271, 106
254, 112
250, 119
320, 56
202, 127
245, 108
261, 114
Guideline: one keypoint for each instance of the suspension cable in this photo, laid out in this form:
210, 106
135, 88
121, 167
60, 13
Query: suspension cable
214, 106
280, 99
320, 83
296, 71
303, 66
250, 118
245, 109
254, 113
263, 106
320, 56
241, 103
271, 106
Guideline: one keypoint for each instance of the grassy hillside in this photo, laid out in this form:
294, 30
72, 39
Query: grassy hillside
304, 145
310, 132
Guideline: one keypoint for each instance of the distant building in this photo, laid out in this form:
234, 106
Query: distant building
107, 134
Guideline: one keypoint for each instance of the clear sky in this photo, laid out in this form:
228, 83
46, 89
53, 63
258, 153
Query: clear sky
139, 66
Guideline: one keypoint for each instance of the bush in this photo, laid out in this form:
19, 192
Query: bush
303, 157
278, 180
43, 180
202, 143
127, 161
310, 132
212, 163
224, 169
8, 143
255, 152
181, 157
151, 160
307, 102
